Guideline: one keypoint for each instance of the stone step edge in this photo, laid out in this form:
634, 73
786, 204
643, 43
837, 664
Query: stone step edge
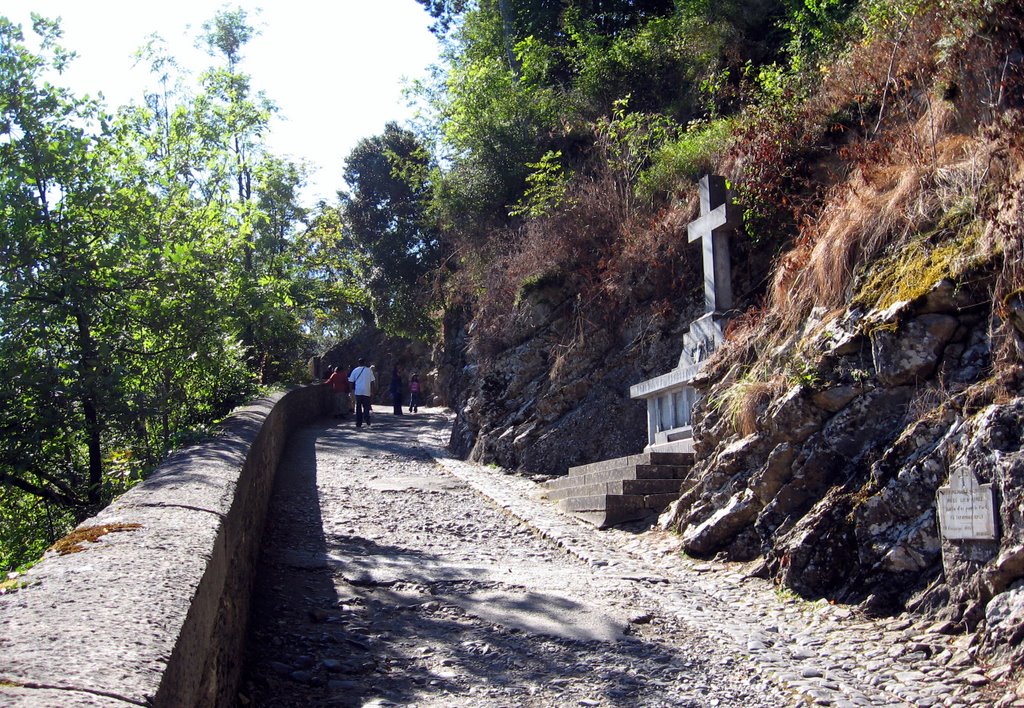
618, 474
644, 458
605, 519
618, 487
617, 502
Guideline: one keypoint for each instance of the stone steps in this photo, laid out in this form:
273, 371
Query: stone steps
620, 474
624, 489
630, 487
645, 458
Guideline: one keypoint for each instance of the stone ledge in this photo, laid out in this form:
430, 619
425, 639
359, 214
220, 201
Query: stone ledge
677, 379
154, 612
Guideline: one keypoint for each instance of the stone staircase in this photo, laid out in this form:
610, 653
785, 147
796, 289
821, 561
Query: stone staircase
624, 489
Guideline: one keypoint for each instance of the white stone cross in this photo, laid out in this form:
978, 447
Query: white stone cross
718, 217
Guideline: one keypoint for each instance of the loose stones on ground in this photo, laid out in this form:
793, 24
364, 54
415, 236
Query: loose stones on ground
425, 593
394, 611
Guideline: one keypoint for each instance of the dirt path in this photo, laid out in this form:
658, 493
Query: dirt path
388, 579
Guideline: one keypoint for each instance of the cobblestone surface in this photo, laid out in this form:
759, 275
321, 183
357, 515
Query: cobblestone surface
393, 575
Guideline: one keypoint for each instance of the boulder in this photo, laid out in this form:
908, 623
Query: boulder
895, 526
706, 538
816, 555
794, 417
833, 400
1004, 625
916, 548
912, 352
946, 296
869, 422
777, 470
841, 337
974, 360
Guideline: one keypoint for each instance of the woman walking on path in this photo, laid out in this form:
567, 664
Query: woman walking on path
414, 393
338, 382
396, 390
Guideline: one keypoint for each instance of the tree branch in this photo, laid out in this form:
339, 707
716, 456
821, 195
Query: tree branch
38, 491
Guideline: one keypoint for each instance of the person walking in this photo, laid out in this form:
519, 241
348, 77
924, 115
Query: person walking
414, 393
338, 382
396, 390
362, 380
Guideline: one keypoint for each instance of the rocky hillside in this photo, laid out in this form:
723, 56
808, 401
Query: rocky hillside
878, 351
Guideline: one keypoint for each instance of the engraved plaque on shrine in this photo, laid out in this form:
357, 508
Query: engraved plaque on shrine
966, 508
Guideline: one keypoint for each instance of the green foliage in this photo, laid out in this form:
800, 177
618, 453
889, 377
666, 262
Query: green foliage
522, 79
770, 81
801, 372
817, 28
629, 142
226, 33
546, 187
150, 276
684, 160
493, 120
387, 213
660, 63
27, 526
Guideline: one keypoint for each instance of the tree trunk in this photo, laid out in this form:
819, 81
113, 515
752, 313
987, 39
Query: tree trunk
509, 30
87, 371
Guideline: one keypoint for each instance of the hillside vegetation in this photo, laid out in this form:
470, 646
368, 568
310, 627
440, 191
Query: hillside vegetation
572, 136
875, 150
156, 270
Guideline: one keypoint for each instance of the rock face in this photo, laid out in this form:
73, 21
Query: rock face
832, 488
836, 489
542, 405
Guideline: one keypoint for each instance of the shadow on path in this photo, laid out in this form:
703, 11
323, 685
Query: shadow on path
340, 619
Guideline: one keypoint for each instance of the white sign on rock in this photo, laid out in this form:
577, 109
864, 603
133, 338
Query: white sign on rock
966, 508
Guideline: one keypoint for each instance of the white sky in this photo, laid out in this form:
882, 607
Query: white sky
333, 67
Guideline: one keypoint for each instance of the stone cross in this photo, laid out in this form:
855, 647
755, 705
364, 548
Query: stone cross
718, 217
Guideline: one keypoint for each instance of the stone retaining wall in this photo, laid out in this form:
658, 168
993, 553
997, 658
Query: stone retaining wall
152, 608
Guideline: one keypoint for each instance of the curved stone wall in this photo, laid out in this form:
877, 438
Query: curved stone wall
148, 604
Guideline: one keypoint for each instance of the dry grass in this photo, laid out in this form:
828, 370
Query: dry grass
931, 187
885, 207
747, 399
1005, 235
911, 177
604, 260
566, 245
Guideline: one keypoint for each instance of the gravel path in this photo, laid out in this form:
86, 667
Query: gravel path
393, 575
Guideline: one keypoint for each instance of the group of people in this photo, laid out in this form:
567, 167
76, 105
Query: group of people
359, 382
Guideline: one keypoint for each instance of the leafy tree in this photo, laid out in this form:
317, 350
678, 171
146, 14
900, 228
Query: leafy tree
444, 12
232, 120
145, 258
495, 115
527, 79
58, 288
336, 302
387, 214
816, 28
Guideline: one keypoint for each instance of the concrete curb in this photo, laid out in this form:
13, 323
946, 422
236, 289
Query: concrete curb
153, 608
